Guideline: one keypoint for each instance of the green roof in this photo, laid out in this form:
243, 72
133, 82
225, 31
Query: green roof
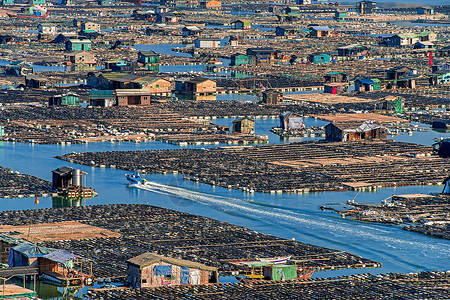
257, 263
113, 75
412, 35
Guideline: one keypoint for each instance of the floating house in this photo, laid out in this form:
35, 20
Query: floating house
352, 50
391, 103
285, 30
153, 270
90, 27
47, 28
440, 77
244, 125
56, 266
125, 97
238, 59
196, 86
261, 56
367, 85
241, 24
319, 58
67, 99
207, 43
78, 45
335, 88
319, 31
366, 7
272, 97
86, 58
65, 177
190, 31
102, 98
291, 122
409, 39
212, 4
348, 131
280, 272
425, 10
424, 45
333, 77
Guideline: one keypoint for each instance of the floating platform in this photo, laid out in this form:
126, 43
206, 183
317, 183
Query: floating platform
12, 291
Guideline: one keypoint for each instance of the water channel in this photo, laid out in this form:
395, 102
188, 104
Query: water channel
292, 216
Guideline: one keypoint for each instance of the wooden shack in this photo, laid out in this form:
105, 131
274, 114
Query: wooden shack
244, 125
272, 97
64, 177
391, 103
335, 77
152, 270
335, 88
348, 131
196, 86
291, 122
280, 272
66, 99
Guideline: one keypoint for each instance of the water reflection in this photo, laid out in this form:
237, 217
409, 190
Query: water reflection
59, 201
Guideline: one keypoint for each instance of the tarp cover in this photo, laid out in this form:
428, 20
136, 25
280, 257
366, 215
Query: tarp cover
162, 270
19, 255
32, 250
296, 123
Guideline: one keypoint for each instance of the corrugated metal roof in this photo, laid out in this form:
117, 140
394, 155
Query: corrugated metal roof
321, 28
60, 256
365, 81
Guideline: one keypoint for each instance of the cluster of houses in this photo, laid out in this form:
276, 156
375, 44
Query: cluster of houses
62, 267
397, 77
121, 89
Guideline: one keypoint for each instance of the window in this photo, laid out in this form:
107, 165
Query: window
157, 86
145, 98
204, 87
144, 280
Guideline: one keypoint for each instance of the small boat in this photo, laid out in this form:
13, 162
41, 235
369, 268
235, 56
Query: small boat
276, 260
135, 178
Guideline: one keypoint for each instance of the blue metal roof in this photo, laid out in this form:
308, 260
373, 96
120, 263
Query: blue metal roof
321, 28
60, 256
365, 81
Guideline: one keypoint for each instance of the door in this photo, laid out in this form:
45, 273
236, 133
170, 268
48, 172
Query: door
195, 277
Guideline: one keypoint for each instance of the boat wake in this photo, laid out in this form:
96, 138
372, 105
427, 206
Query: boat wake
388, 244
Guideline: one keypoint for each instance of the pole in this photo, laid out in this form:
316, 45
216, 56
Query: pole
31, 221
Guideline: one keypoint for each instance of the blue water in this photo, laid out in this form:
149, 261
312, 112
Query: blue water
289, 216
286, 215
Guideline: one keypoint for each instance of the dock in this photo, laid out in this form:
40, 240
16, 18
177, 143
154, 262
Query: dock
12, 291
